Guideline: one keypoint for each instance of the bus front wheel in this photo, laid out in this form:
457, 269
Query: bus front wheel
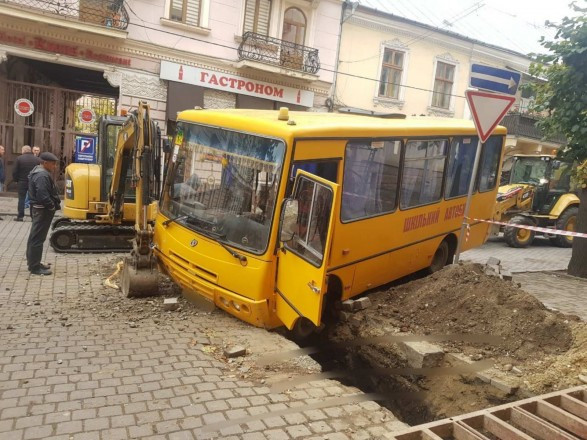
440, 258
302, 330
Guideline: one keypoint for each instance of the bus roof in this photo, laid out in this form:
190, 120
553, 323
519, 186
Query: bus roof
329, 125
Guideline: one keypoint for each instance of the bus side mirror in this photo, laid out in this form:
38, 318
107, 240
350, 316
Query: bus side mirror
289, 220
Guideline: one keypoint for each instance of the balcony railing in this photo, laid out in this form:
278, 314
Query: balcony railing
268, 50
525, 125
108, 13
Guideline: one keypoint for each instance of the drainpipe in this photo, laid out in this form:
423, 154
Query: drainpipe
346, 4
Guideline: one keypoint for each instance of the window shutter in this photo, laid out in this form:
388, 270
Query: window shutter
176, 12
257, 16
192, 16
263, 19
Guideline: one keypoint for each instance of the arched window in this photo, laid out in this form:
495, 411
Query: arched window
294, 26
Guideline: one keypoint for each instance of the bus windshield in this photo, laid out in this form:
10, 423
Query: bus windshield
528, 170
224, 184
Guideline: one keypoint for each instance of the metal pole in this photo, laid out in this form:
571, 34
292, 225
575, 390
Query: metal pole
468, 204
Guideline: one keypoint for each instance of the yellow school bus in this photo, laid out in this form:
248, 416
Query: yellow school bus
275, 215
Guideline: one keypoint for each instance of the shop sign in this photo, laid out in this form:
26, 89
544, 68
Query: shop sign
85, 149
24, 107
45, 45
86, 115
235, 84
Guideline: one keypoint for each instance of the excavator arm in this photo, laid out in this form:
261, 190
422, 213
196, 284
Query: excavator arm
136, 150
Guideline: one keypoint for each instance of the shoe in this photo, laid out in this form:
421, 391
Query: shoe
45, 266
41, 271
18, 219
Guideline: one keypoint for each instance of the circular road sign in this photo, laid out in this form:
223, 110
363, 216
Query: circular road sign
24, 107
86, 115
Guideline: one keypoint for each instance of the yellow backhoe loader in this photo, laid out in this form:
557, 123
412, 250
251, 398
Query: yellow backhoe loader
537, 192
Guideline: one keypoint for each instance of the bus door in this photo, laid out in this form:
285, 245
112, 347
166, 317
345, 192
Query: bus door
306, 227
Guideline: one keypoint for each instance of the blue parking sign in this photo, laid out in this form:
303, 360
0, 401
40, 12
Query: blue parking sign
85, 149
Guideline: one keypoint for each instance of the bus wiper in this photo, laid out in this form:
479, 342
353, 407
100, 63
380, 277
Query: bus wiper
239, 257
174, 219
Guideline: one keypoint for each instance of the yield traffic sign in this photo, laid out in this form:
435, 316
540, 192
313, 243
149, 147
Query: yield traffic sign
488, 110
494, 79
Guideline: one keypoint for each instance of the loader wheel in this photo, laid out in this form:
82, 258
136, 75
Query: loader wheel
566, 222
516, 237
440, 258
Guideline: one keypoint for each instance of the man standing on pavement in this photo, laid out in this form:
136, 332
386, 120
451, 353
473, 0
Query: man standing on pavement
2, 172
44, 201
23, 166
27, 205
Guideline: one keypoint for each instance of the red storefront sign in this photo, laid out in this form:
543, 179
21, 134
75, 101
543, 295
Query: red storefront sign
54, 47
236, 84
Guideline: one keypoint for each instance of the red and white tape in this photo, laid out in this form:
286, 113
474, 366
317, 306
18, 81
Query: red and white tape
533, 228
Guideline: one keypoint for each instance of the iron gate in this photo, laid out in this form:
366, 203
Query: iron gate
55, 122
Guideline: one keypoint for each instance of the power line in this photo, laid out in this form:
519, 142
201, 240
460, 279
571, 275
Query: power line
336, 72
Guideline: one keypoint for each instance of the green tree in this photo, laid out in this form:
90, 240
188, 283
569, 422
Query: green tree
563, 98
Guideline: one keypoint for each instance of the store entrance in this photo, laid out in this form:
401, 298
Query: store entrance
56, 96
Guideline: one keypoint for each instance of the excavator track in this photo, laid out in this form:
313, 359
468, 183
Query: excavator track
80, 237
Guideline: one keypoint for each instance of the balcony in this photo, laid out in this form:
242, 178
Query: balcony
279, 53
524, 125
104, 14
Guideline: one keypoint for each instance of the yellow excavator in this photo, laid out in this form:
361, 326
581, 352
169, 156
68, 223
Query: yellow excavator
99, 206
536, 191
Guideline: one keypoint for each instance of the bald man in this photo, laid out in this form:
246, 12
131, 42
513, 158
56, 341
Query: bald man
23, 166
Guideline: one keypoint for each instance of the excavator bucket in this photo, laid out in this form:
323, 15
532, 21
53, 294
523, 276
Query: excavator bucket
138, 283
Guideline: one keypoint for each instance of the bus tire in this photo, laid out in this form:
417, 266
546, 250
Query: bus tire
516, 237
566, 222
302, 330
440, 258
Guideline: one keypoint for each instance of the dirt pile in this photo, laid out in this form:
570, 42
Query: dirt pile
535, 348
464, 300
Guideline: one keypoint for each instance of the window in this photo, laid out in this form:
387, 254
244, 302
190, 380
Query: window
257, 13
185, 11
371, 177
314, 208
391, 73
423, 172
294, 26
460, 166
443, 83
490, 163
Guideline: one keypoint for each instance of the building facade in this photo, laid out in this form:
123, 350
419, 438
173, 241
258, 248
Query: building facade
392, 64
63, 65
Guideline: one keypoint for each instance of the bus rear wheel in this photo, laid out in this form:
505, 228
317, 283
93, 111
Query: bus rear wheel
440, 258
517, 237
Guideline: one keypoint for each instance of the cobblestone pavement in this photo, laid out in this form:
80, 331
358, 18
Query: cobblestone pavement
78, 361
539, 257
557, 291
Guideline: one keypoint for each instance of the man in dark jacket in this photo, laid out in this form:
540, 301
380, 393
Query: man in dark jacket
44, 201
23, 166
2, 172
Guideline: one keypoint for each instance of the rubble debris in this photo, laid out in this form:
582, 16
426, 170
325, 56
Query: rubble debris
235, 351
170, 304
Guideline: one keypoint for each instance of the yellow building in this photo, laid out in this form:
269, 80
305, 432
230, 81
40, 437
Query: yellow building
392, 64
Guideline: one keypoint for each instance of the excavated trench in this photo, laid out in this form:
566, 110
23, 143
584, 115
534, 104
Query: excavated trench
456, 300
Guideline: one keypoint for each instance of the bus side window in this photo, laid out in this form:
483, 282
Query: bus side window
423, 172
491, 153
327, 169
371, 178
460, 165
